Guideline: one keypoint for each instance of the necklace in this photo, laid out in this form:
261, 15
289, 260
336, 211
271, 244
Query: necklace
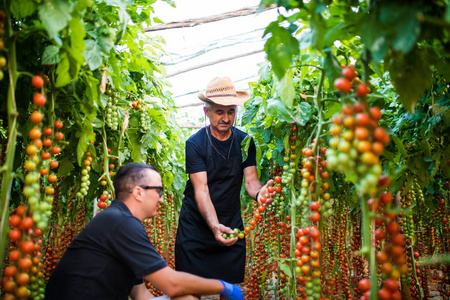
231, 145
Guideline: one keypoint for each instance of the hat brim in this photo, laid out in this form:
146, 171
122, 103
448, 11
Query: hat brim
241, 98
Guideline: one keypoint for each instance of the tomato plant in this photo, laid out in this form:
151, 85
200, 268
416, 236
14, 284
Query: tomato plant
358, 151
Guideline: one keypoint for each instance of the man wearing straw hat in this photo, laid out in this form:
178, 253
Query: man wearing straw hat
211, 206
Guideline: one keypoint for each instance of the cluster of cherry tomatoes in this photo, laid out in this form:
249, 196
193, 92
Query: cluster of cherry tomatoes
21, 274
307, 253
85, 182
38, 166
112, 113
349, 81
357, 139
357, 142
321, 205
106, 196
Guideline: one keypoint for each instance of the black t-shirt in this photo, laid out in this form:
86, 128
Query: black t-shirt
197, 154
110, 255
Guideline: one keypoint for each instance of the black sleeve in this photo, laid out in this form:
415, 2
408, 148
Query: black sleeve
133, 246
195, 158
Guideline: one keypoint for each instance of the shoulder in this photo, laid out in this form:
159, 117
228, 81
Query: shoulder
116, 213
197, 138
200, 134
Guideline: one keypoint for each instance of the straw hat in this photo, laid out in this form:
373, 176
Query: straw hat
221, 91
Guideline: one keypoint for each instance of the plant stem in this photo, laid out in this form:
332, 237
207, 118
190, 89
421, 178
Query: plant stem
106, 158
12, 134
318, 99
367, 248
292, 264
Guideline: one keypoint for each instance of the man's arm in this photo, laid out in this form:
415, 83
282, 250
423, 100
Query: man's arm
205, 206
174, 283
140, 292
253, 185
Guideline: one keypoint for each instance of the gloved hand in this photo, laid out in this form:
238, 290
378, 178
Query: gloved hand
231, 291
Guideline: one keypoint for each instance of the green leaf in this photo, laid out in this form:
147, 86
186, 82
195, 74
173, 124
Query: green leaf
249, 114
419, 167
281, 48
277, 108
399, 144
62, 71
137, 153
371, 36
124, 18
305, 40
405, 26
425, 146
77, 35
95, 50
285, 268
334, 33
65, 166
447, 14
51, 55
443, 67
411, 75
55, 15
92, 91
86, 136
285, 88
245, 145
332, 67
81, 5
22, 8
318, 30
302, 113
331, 109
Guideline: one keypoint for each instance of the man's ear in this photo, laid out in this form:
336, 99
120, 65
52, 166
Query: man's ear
206, 111
137, 194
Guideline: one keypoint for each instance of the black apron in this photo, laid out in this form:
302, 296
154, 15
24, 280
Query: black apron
196, 249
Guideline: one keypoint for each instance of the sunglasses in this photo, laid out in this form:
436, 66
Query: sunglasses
149, 187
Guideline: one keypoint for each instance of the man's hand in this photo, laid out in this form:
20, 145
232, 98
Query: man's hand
263, 192
231, 291
218, 232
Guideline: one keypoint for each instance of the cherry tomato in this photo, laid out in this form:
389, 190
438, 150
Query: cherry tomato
39, 99
48, 131
36, 117
58, 136
58, 124
14, 220
343, 84
349, 72
101, 204
56, 150
53, 164
364, 285
37, 82
362, 90
315, 206
35, 133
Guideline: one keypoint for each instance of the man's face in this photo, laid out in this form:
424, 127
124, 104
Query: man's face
151, 195
221, 117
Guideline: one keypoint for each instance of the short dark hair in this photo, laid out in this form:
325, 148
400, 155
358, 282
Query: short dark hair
128, 176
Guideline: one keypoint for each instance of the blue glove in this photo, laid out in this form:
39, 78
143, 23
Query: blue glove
231, 291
